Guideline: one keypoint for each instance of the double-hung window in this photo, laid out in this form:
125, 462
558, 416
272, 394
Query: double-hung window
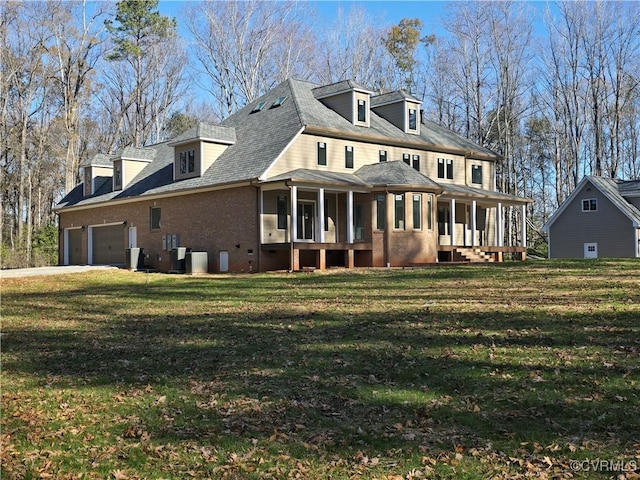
441, 168
406, 158
348, 157
382, 155
381, 212
476, 174
415, 160
417, 211
413, 122
449, 169
398, 211
154, 218
362, 111
322, 153
281, 208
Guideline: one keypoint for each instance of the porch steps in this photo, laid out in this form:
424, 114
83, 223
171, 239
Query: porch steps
474, 255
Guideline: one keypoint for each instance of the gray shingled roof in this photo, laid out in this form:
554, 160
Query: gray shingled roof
206, 131
392, 97
337, 88
98, 160
134, 153
452, 190
318, 176
395, 173
260, 137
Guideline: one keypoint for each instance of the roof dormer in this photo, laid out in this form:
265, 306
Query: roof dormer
95, 172
399, 108
128, 163
197, 149
347, 98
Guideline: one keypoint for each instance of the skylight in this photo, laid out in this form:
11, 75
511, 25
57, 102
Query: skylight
278, 102
258, 107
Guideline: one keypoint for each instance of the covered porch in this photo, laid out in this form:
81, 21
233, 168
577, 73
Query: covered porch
480, 226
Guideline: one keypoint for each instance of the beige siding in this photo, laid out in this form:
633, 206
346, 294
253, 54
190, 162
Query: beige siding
608, 227
211, 151
131, 168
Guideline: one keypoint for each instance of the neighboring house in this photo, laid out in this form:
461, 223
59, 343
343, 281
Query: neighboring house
305, 176
601, 218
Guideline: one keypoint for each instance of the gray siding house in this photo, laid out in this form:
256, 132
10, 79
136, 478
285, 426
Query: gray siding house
601, 218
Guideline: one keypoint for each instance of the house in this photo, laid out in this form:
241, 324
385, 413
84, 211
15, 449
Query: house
305, 176
601, 218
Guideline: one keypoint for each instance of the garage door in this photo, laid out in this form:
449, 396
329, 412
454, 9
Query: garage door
74, 240
108, 245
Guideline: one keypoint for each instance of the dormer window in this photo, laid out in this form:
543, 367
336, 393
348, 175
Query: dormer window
187, 162
413, 119
117, 175
362, 111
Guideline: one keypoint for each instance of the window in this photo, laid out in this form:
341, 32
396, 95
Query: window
87, 181
258, 107
282, 212
278, 102
348, 157
590, 205
154, 218
382, 155
117, 175
476, 174
362, 111
441, 168
430, 212
413, 123
358, 222
322, 153
399, 212
416, 162
417, 212
406, 158
191, 160
449, 169
381, 212
183, 163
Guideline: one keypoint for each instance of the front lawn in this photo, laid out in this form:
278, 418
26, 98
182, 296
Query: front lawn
501, 371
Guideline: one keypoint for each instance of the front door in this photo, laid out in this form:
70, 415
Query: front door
305, 220
590, 250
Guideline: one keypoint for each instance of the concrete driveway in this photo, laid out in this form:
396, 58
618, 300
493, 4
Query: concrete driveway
58, 270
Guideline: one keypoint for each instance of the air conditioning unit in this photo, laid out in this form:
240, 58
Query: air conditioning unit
197, 262
178, 255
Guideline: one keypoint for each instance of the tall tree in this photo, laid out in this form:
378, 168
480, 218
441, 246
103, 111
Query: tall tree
402, 42
140, 33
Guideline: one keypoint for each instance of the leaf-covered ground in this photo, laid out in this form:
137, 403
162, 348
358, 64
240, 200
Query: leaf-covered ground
502, 371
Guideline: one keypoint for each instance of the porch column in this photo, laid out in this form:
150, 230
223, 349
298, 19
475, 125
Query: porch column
293, 233
524, 225
350, 216
499, 223
452, 221
261, 214
473, 223
321, 214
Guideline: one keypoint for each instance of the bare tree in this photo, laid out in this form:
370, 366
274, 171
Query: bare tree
245, 48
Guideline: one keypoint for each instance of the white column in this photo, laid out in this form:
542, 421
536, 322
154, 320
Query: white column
349, 216
499, 223
452, 221
524, 225
321, 214
473, 223
294, 214
261, 214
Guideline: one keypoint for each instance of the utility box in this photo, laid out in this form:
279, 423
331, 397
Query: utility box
197, 262
178, 256
134, 258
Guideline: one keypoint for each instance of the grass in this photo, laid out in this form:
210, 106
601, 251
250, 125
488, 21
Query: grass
501, 371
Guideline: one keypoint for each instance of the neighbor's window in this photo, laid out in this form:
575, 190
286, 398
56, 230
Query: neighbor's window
590, 205
382, 155
417, 212
348, 156
476, 174
154, 220
381, 212
413, 123
399, 211
416, 162
282, 212
362, 111
322, 153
